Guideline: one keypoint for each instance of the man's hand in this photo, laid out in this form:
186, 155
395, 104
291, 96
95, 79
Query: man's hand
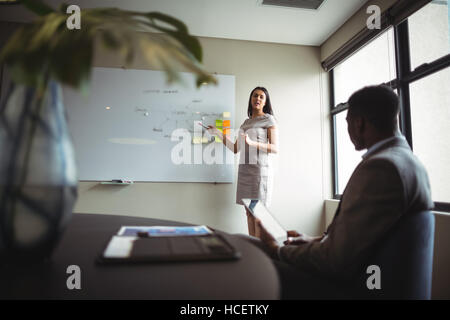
295, 238
267, 239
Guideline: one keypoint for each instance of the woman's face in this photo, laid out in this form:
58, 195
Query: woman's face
258, 100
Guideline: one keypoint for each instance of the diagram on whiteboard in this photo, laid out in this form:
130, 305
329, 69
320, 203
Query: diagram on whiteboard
125, 127
166, 119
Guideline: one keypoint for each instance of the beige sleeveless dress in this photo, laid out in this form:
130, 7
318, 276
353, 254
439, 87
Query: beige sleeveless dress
255, 174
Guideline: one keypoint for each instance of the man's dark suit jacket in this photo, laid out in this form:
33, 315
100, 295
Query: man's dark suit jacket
388, 183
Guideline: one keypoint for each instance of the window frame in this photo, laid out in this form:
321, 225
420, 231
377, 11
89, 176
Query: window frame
405, 76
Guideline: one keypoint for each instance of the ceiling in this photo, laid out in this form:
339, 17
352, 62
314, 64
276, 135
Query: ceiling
232, 19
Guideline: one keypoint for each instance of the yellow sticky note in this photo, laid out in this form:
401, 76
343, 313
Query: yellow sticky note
196, 140
216, 138
226, 114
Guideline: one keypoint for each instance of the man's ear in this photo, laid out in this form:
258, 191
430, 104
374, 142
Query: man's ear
360, 124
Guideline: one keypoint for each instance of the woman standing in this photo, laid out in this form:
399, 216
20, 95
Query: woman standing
258, 136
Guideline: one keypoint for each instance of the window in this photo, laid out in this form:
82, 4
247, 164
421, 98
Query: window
429, 33
420, 41
430, 115
373, 64
347, 157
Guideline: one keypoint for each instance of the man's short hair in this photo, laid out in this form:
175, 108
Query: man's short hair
377, 104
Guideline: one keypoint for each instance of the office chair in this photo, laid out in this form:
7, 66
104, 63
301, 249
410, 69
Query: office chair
405, 259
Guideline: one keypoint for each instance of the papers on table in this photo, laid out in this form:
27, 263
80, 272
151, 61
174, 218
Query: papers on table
119, 247
137, 244
164, 231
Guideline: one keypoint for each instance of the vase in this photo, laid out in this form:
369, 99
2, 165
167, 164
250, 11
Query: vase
38, 181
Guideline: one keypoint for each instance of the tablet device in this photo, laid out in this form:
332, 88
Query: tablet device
267, 220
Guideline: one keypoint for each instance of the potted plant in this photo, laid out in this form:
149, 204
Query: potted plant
38, 183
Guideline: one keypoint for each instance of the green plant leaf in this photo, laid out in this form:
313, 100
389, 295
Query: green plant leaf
63, 7
13, 46
179, 25
37, 6
181, 32
69, 64
190, 43
47, 48
48, 28
202, 76
110, 40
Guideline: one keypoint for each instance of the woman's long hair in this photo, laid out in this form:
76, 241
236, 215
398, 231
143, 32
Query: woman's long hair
267, 107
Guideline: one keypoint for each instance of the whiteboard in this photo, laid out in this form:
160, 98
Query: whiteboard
134, 126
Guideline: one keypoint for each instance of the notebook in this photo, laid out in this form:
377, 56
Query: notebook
166, 244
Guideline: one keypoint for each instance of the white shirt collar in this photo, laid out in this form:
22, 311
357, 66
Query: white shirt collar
381, 143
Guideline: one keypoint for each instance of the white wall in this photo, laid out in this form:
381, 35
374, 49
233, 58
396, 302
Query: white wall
297, 87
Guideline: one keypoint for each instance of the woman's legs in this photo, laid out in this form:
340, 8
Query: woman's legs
250, 219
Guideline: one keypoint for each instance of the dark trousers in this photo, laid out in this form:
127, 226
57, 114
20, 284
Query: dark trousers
300, 284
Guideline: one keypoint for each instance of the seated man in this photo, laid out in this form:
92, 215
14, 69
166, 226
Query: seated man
388, 183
